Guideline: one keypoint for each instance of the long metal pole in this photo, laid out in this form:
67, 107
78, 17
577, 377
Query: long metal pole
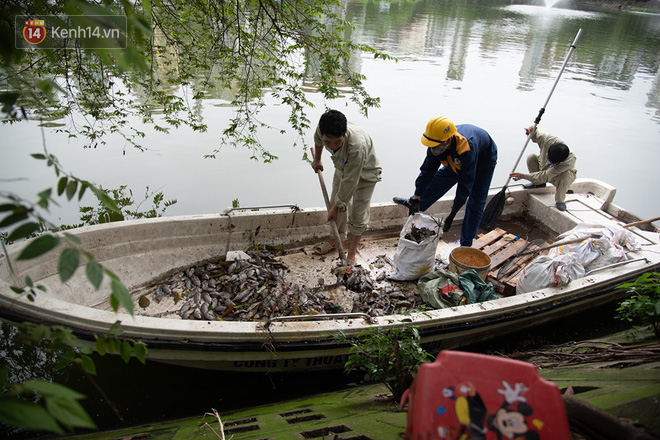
538, 118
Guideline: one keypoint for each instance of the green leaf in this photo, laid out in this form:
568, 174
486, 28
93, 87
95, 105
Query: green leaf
101, 346
69, 412
39, 246
140, 350
13, 218
8, 207
16, 412
61, 185
72, 238
94, 273
122, 296
69, 262
23, 231
105, 200
52, 389
126, 351
146, 4
45, 194
88, 364
71, 189
83, 188
39, 156
115, 345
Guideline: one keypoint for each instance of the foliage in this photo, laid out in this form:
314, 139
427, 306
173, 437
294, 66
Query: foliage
44, 405
26, 219
60, 407
391, 357
644, 303
57, 408
128, 209
178, 54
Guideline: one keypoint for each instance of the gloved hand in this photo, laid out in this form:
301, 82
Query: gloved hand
448, 221
414, 206
411, 203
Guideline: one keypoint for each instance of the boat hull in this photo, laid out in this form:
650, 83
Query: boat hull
141, 251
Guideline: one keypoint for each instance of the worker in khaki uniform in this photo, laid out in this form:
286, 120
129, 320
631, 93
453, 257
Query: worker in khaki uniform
356, 173
555, 163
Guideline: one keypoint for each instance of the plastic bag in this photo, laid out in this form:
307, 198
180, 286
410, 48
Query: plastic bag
412, 259
441, 289
619, 235
587, 251
549, 271
475, 289
444, 288
593, 252
610, 253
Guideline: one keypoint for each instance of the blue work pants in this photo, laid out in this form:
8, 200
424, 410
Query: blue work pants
445, 179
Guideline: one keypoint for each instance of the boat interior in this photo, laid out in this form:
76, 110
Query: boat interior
518, 229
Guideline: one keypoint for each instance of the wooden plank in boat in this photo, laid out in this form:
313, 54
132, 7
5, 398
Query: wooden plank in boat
499, 258
489, 238
500, 246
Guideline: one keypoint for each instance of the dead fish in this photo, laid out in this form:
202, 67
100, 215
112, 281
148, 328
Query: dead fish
144, 301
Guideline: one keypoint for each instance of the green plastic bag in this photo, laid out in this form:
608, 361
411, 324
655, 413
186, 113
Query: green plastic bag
476, 290
444, 288
440, 289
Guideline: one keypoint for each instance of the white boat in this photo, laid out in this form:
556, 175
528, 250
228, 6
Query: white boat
140, 251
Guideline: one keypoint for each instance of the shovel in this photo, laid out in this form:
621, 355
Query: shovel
641, 222
333, 224
493, 210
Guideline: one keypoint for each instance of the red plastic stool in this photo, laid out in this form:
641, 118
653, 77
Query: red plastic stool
474, 396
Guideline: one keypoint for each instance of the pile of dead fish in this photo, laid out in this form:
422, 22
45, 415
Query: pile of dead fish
354, 278
255, 289
243, 290
387, 301
419, 234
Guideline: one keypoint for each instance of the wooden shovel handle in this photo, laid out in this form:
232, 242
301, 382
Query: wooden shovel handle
642, 222
333, 225
560, 243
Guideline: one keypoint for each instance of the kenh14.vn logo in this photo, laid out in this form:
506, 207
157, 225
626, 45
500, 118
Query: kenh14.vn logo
34, 31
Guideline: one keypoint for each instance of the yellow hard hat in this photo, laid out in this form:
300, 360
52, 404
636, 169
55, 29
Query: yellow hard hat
438, 130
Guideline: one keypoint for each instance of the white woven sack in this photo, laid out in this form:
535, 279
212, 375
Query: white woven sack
412, 260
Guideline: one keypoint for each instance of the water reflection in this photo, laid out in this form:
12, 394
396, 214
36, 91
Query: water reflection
614, 49
24, 361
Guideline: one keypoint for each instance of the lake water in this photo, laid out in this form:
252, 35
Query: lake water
479, 62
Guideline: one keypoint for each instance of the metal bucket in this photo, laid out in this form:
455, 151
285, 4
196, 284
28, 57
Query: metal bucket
465, 258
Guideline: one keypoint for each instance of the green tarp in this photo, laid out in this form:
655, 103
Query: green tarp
444, 288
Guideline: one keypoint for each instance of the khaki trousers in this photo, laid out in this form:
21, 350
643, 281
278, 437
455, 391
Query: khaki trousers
561, 181
358, 210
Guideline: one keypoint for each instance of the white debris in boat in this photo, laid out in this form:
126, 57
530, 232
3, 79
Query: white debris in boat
237, 255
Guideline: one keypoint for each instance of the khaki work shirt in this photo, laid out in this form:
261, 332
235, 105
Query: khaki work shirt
548, 172
355, 160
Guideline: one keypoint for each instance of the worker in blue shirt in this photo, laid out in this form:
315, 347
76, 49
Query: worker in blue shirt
463, 155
